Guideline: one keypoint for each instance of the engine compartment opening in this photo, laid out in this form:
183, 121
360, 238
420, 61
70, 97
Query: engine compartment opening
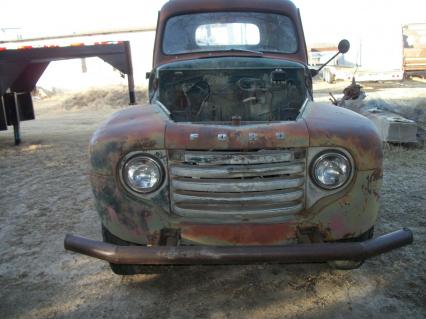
216, 91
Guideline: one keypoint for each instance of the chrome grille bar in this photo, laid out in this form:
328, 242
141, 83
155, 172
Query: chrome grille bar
237, 184
243, 212
232, 171
274, 197
232, 158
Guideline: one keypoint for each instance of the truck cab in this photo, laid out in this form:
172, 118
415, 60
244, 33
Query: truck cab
231, 160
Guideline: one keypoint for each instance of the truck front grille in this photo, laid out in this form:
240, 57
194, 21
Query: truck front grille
237, 184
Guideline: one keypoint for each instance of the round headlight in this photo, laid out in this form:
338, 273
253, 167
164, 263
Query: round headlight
141, 174
331, 170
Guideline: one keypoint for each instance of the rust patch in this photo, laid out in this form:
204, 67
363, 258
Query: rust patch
337, 127
240, 234
237, 137
153, 238
134, 129
337, 223
369, 187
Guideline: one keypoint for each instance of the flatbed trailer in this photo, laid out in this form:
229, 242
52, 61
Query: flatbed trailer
22, 67
414, 36
366, 64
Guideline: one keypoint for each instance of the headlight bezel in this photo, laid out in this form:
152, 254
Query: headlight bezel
328, 153
122, 172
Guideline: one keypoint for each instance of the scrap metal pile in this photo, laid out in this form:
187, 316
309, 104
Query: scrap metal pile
392, 127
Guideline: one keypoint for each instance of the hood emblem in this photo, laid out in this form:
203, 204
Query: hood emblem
222, 137
280, 135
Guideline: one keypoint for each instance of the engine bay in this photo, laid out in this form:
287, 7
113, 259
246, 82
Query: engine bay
194, 93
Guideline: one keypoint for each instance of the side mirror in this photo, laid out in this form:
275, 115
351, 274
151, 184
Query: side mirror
344, 46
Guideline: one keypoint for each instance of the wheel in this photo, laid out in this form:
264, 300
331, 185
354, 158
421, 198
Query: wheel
328, 76
352, 264
127, 270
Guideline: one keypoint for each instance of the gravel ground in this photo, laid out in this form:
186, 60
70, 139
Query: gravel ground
45, 194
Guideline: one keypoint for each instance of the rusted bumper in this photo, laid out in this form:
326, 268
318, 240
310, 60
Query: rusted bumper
182, 255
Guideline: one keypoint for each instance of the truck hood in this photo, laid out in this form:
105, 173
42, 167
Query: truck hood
244, 137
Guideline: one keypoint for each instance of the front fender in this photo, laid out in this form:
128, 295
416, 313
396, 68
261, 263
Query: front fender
135, 128
333, 126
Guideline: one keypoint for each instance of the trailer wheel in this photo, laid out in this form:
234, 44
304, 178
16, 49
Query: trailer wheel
127, 270
328, 76
352, 264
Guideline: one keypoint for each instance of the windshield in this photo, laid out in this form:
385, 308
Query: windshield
222, 31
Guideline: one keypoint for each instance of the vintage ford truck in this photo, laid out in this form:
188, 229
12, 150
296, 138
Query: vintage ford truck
232, 161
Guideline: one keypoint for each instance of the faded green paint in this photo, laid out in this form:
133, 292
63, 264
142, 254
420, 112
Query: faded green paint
140, 219
331, 126
296, 135
348, 214
136, 128
344, 215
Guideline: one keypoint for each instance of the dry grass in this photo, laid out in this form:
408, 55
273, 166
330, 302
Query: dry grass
46, 194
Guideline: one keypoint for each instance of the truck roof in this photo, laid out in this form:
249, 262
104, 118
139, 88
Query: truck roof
179, 7
175, 7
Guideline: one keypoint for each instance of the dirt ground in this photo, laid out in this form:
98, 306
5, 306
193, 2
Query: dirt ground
45, 194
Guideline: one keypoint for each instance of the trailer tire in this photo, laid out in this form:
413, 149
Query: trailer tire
328, 76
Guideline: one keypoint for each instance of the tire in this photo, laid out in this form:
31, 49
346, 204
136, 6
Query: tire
328, 76
128, 270
352, 264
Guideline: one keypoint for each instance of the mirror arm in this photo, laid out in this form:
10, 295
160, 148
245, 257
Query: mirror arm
343, 47
326, 63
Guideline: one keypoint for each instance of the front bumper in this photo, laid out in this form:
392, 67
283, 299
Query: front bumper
184, 255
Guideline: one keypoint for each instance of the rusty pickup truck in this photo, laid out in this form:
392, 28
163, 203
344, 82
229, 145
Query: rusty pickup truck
232, 161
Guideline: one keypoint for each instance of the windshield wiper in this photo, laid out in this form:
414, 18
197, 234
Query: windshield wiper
217, 53
244, 50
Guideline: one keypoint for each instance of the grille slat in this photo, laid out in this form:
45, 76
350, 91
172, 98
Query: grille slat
232, 158
183, 197
248, 211
232, 171
237, 184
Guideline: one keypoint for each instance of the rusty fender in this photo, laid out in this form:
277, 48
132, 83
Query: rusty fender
182, 255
